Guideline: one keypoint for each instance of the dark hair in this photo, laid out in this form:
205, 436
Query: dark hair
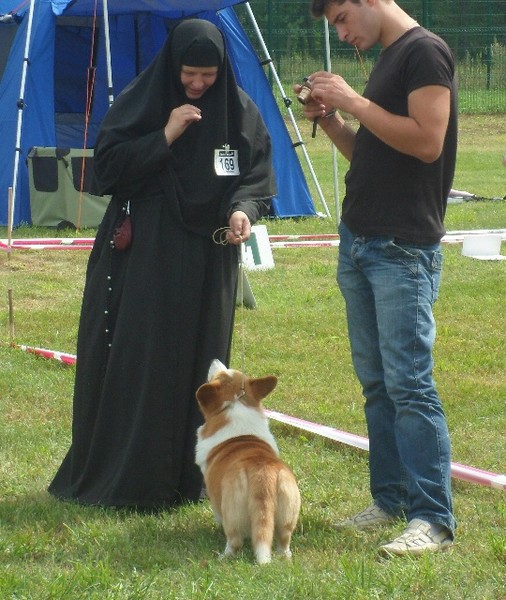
318, 6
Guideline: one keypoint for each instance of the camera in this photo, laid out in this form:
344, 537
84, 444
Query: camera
305, 93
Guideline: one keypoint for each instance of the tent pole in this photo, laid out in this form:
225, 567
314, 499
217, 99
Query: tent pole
328, 67
108, 52
287, 104
10, 216
21, 106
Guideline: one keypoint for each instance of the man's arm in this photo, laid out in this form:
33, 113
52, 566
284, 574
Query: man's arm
340, 134
421, 134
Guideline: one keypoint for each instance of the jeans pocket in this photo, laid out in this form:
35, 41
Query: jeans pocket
424, 263
436, 267
437, 261
408, 256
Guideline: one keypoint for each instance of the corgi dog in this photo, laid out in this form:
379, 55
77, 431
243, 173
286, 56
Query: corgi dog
253, 493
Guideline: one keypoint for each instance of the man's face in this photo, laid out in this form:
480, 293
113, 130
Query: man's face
197, 80
355, 24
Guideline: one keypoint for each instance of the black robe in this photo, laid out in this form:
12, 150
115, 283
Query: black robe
155, 315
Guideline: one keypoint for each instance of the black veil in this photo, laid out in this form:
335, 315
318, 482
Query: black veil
228, 117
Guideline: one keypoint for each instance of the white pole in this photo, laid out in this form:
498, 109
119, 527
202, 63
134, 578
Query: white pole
334, 149
10, 216
300, 141
108, 52
21, 106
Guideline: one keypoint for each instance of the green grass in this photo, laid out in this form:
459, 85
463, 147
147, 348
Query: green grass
53, 550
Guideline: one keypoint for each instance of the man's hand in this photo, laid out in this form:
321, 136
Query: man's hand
320, 108
332, 92
311, 108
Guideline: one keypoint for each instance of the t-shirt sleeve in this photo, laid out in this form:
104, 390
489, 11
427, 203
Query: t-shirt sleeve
430, 63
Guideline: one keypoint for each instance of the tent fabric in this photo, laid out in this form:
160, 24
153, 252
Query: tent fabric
173, 9
56, 77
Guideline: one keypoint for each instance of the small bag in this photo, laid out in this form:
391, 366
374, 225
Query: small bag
122, 234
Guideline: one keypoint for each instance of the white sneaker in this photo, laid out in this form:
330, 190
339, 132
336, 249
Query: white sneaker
419, 536
372, 516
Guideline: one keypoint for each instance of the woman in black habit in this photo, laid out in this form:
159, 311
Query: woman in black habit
185, 151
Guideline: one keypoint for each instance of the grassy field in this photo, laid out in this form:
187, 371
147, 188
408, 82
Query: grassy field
52, 550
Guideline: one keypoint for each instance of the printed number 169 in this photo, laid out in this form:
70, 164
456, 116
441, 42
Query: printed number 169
227, 164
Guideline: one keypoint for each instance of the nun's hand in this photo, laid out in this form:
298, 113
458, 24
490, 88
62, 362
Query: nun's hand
179, 119
240, 228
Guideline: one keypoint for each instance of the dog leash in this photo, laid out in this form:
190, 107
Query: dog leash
240, 292
220, 237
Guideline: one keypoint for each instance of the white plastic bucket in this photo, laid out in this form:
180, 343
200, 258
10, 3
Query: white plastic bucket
481, 245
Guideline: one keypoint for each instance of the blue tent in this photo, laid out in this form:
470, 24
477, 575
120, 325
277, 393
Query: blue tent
47, 51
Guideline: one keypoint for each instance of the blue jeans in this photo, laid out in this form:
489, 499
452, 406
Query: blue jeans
389, 287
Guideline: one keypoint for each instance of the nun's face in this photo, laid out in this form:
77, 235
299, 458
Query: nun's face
197, 80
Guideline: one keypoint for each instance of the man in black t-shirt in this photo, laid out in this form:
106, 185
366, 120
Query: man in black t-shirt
402, 160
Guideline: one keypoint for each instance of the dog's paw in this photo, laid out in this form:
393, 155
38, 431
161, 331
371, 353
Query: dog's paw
230, 552
285, 553
262, 554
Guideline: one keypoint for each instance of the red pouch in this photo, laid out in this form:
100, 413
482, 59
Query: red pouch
122, 234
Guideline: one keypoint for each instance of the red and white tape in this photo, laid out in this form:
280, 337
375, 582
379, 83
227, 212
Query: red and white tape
470, 474
68, 359
332, 240
48, 244
458, 471
322, 240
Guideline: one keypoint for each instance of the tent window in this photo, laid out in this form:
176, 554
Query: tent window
72, 58
45, 172
78, 168
7, 33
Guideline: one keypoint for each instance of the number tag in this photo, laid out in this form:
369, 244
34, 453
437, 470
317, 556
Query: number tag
226, 162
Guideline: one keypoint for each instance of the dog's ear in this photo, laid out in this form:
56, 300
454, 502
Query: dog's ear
216, 367
207, 393
262, 386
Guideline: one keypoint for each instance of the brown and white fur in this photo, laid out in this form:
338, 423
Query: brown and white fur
252, 492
